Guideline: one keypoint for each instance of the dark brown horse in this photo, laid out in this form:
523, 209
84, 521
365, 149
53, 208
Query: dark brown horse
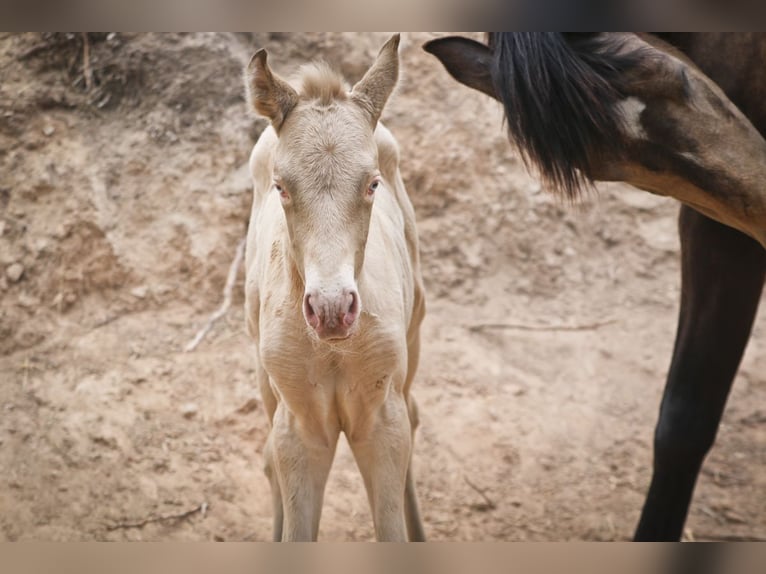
682, 115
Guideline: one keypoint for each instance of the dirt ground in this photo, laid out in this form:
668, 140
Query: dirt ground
123, 195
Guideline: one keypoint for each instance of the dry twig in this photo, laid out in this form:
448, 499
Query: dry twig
202, 508
524, 327
488, 504
228, 288
86, 71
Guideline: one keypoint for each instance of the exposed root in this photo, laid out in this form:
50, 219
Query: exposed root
488, 503
86, 71
227, 290
524, 327
201, 508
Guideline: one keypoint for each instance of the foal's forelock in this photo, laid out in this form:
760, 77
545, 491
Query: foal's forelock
320, 82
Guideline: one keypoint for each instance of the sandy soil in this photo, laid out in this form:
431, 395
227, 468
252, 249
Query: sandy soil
121, 206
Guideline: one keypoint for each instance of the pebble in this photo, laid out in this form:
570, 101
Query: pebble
162, 371
28, 301
248, 406
14, 272
189, 410
139, 292
48, 130
60, 232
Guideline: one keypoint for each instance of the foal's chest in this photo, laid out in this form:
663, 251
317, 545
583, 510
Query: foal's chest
343, 377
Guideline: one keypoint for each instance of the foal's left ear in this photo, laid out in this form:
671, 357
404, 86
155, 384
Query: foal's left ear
373, 90
468, 61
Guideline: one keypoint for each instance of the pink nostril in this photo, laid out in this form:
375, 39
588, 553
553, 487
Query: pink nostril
353, 309
309, 312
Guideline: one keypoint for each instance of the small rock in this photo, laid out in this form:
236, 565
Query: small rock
162, 371
28, 301
189, 410
48, 130
14, 272
104, 439
249, 406
60, 232
139, 292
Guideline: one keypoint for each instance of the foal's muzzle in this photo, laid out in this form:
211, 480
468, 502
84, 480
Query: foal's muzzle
332, 315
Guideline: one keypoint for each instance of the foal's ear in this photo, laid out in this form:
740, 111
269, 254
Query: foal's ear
468, 61
372, 91
269, 94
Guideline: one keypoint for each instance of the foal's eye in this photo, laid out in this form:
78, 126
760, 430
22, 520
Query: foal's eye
373, 187
282, 192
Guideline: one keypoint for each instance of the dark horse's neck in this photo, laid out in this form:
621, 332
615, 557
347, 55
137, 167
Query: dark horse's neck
732, 61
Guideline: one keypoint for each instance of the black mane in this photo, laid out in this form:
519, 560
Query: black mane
559, 92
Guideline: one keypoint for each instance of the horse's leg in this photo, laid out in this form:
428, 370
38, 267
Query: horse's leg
270, 403
382, 452
302, 457
276, 494
722, 278
415, 529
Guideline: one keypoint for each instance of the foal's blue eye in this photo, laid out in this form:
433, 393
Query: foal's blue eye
373, 187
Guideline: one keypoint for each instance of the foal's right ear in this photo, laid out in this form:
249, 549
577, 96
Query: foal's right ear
267, 93
468, 61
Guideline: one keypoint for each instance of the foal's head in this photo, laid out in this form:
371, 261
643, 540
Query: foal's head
326, 174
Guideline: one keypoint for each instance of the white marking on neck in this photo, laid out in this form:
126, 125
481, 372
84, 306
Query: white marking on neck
631, 109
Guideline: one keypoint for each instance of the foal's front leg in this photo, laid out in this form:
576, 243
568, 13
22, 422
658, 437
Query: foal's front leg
382, 450
270, 403
302, 454
415, 530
